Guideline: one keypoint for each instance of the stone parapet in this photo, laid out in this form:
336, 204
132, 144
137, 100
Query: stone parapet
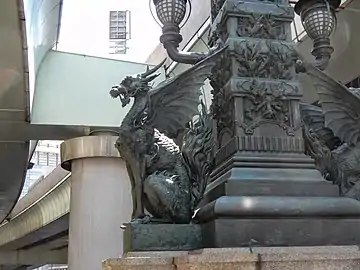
260, 258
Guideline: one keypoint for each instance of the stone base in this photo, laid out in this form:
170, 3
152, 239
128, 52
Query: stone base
243, 221
280, 232
162, 237
279, 258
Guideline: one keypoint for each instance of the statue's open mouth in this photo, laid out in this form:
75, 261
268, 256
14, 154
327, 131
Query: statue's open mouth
124, 98
122, 93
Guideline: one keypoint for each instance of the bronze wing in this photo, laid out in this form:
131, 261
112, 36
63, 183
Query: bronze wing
341, 107
174, 103
313, 117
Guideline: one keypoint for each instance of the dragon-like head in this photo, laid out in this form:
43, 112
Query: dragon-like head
131, 86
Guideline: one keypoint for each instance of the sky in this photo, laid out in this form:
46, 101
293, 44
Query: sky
84, 28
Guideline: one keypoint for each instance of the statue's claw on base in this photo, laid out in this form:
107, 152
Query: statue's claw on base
146, 220
142, 220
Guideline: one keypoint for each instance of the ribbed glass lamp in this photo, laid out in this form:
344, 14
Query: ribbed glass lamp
319, 20
170, 11
318, 17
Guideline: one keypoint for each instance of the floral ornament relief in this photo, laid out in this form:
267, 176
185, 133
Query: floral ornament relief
265, 104
261, 26
221, 107
265, 60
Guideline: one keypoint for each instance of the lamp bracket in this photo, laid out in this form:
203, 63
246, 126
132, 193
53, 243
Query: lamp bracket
171, 39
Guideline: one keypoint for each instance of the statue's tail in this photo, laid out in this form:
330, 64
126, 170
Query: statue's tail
198, 153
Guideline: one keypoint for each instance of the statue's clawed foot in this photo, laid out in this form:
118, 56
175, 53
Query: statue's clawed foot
142, 220
146, 220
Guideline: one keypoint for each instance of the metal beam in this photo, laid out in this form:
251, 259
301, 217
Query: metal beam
33, 257
20, 132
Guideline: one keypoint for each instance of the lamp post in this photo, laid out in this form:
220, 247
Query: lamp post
171, 15
263, 184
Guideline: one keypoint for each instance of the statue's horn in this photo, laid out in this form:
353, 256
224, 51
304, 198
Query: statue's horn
151, 78
154, 69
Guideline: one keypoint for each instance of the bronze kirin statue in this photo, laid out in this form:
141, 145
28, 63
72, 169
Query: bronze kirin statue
332, 132
168, 181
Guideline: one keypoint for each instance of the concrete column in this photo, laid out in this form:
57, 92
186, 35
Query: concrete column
100, 200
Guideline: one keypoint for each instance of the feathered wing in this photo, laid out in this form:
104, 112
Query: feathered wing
175, 102
341, 107
313, 117
198, 154
319, 140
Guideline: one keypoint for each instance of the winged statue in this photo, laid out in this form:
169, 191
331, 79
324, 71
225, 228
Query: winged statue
332, 131
167, 180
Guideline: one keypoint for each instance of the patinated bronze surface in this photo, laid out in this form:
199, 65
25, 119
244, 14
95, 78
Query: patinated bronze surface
168, 180
262, 182
332, 131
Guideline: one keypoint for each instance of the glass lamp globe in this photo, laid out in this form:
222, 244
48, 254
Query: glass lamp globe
170, 12
318, 17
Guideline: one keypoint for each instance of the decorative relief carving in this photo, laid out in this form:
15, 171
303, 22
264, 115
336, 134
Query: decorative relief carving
251, 59
286, 88
266, 103
222, 108
261, 26
265, 60
282, 9
281, 61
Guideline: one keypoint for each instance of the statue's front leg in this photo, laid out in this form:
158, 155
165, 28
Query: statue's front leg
133, 192
139, 191
139, 211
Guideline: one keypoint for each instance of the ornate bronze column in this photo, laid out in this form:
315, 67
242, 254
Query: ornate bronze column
264, 189
256, 94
